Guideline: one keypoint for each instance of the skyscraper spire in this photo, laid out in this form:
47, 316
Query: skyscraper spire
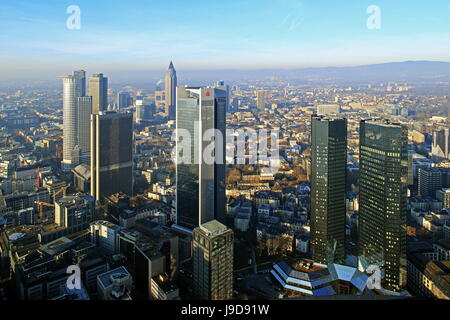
170, 88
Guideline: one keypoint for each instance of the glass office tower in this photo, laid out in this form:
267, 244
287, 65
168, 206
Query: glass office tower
200, 184
328, 188
98, 90
383, 199
111, 154
84, 120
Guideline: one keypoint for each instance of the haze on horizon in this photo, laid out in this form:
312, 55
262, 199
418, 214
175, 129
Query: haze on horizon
120, 36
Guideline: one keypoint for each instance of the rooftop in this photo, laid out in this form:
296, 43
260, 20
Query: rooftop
213, 228
107, 277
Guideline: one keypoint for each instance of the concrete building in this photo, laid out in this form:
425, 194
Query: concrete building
115, 284
432, 179
428, 278
74, 213
152, 250
105, 235
328, 109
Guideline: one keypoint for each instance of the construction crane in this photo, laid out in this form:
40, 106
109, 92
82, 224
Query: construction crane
41, 207
62, 189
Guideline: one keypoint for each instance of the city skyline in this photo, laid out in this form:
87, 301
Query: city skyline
299, 151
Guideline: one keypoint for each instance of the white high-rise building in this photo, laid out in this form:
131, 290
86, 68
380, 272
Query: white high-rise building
74, 86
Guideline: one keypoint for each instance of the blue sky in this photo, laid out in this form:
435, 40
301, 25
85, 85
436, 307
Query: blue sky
134, 35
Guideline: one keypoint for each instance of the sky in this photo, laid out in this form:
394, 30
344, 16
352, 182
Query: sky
119, 35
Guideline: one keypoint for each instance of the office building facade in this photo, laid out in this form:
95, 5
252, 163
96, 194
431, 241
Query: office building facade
123, 100
200, 185
213, 261
111, 154
328, 189
73, 88
84, 126
98, 90
383, 199
261, 99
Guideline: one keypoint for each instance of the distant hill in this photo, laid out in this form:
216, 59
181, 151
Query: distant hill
427, 72
408, 71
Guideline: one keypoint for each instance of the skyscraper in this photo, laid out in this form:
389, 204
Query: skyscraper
383, 199
200, 185
123, 99
441, 144
213, 261
261, 100
170, 88
84, 126
98, 90
111, 154
328, 188
73, 87
221, 85
81, 76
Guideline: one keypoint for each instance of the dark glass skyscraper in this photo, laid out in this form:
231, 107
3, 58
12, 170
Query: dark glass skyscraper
111, 154
328, 188
200, 184
84, 119
383, 199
